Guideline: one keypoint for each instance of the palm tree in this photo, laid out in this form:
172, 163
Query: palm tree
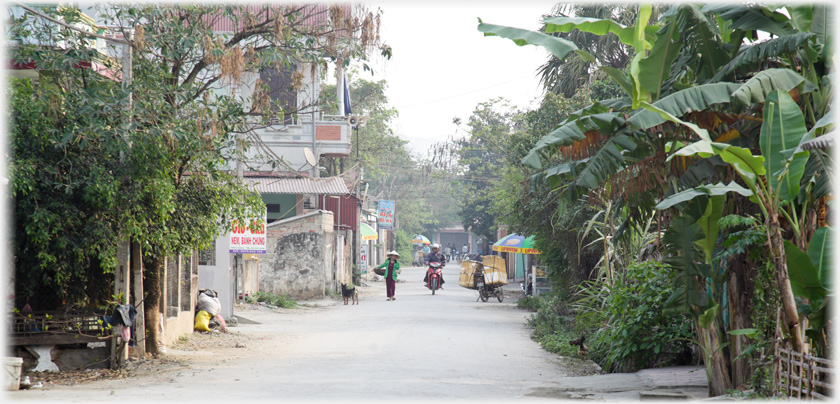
565, 76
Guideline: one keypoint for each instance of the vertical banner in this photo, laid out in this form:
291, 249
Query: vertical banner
363, 258
242, 240
386, 214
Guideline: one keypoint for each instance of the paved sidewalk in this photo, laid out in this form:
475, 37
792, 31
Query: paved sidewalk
671, 383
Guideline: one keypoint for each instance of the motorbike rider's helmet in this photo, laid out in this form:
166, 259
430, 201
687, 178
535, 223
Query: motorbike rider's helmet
435, 246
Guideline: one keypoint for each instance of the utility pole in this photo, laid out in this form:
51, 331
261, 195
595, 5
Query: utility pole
136, 261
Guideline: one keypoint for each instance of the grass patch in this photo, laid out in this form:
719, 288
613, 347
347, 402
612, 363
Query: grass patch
271, 299
553, 325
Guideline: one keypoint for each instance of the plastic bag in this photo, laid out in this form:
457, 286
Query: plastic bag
221, 321
202, 321
209, 304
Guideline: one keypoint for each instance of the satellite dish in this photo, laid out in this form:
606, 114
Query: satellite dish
310, 157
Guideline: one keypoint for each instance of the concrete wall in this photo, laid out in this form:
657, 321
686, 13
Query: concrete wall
300, 253
181, 320
219, 277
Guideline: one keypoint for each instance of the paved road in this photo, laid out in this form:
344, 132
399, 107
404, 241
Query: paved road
418, 347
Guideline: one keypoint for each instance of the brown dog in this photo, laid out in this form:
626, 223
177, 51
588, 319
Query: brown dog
349, 293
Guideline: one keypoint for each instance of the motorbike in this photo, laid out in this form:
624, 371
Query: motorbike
434, 274
484, 290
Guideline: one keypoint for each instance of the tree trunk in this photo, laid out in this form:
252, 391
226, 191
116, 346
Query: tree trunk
791, 317
716, 364
152, 287
738, 320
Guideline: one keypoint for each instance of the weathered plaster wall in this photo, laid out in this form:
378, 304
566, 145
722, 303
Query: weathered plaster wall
219, 277
299, 256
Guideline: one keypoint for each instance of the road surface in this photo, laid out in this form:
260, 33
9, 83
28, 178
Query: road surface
418, 347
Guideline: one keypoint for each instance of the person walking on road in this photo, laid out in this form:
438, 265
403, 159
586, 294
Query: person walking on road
392, 268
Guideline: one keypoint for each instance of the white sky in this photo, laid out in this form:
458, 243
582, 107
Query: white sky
442, 66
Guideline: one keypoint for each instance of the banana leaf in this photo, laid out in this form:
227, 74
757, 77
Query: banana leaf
821, 254
782, 131
702, 190
698, 98
804, 277
766, 81
558, 47
754, 55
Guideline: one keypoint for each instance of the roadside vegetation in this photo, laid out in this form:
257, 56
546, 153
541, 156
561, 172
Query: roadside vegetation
667, 181
272, 300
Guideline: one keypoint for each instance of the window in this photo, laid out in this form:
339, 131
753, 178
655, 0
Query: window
281, 92
272, 207
208, 256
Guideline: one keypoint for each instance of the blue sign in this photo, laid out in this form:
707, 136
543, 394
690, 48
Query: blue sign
386, 214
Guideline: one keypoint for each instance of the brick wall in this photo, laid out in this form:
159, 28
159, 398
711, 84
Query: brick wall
328, 132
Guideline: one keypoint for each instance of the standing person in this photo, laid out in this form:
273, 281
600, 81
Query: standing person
392, 268
465, 251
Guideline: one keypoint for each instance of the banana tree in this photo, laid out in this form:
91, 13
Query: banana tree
700, 77
699, 287
774, 179
669, 60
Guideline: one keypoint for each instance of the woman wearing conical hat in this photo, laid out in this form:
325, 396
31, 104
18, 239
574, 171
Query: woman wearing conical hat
392, 268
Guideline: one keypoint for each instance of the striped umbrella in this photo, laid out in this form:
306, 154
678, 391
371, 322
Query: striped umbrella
516, 243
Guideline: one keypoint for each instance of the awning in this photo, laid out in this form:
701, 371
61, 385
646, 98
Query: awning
297, 186
368, 233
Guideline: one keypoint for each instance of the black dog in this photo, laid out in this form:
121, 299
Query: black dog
349, 293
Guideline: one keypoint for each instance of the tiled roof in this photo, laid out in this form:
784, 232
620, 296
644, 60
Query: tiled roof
303, 185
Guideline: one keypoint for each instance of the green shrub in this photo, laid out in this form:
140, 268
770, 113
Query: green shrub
635, 333
554, 325
530, 303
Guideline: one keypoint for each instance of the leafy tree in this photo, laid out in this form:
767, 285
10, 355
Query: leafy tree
420, 189
481, 157
179, 131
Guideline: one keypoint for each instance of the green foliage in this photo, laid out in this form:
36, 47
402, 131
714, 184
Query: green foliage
635, 334
420, 188
272, 299
553, 325
67, 205
403, 245
90, 172
763, 317
530, 303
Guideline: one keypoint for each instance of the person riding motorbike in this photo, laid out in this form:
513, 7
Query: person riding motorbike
435, 256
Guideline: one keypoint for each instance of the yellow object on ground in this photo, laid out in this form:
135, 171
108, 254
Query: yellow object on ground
202, 321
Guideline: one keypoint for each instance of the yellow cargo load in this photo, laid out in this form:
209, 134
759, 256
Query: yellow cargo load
466, 278
495, 270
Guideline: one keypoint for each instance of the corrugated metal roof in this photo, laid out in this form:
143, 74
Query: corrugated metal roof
303, 185
313, 15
